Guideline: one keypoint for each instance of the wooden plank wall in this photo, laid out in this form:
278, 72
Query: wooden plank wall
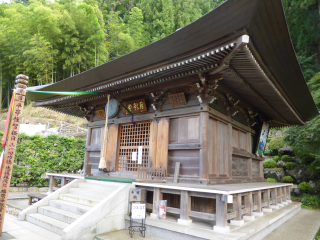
184, 133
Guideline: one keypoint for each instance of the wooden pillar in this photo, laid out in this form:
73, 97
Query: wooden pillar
63, 181
237, 206
221, 215
185, 208
268, 198
230, 150
274, 195
258, 202
52, 184
157, 196
87, 170
280, 194
153, 143
204, 155
111, 148
289, 193
248, 204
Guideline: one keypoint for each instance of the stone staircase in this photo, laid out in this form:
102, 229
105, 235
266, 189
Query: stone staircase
75, 207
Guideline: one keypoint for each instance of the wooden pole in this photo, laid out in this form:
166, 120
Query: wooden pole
10, 151
102, 163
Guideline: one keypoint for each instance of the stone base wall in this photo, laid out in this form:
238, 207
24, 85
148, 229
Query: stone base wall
29, 189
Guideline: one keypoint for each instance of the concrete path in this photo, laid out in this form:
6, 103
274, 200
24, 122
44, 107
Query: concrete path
302, 226
13, 229
122, 234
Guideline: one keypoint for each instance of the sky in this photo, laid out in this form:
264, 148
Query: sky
4, 1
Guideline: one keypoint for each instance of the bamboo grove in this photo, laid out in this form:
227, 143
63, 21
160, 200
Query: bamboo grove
53, 40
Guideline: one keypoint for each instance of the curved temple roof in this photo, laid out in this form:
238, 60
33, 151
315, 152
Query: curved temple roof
267, 66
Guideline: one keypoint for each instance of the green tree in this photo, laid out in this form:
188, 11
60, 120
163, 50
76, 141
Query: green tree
135, 26
39, 59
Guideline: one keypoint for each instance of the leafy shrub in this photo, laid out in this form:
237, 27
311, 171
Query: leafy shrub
276, 143
286, 158
287, 179
311, 200
269, 163
36, 155
271, 180
305, 186
307, 160
291, 165
276, 158
268, 152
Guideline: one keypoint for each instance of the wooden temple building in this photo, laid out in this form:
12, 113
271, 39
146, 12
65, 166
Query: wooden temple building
199, 97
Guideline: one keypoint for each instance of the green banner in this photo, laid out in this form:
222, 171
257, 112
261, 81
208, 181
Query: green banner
63, 93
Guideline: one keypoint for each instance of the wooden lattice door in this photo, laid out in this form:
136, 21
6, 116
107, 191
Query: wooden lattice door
131, 138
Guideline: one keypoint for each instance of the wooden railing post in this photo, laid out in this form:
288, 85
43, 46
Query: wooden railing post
52, 184
63, 181
185, 208
248, 204
221, 215
157, 196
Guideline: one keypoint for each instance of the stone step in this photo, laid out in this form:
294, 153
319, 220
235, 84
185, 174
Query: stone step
48, 223
79, 199
69, 206
105, 183
90, 193
56, 213
97, 187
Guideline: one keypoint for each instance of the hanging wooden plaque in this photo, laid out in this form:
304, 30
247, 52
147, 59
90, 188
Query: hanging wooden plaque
101, 113
136, 106
177, 99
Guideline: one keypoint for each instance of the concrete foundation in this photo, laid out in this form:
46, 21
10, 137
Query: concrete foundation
239, 230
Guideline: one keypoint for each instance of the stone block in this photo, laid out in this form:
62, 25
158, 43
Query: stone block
249, 218
280, 204
13, 189
257, 214
153, 215
274, 206
23, 189
44, 189
33, 189
221, 229
266, 209
238, 223
184, 222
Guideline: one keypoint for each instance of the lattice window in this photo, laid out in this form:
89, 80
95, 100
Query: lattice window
131, 137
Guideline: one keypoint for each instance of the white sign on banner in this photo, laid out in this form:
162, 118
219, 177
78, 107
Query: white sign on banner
140, 155
134, 156
138, 211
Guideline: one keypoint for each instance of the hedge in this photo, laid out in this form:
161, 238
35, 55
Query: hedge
36, 155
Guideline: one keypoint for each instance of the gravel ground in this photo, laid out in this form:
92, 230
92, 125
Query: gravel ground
12, 211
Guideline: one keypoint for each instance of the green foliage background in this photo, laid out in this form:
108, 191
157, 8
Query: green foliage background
36, 155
